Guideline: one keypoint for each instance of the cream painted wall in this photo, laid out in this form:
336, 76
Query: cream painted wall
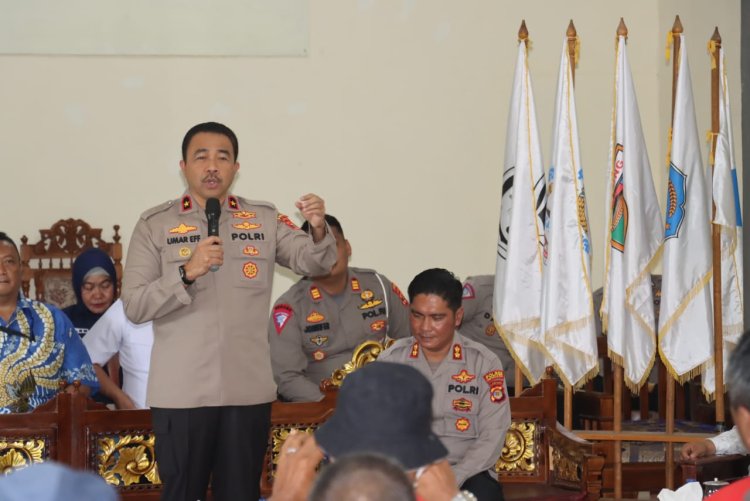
397, 118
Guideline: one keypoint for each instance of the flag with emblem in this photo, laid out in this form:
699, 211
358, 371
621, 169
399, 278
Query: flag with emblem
568, 326
633, 236
728, 217
521, 244
686, 316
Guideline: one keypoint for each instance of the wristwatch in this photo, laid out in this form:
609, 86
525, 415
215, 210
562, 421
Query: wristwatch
183, 276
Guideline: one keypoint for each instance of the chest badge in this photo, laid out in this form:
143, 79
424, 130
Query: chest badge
246, 225
319, 340
250, 269
250, 250
490, 330
463, 377
182, 229
315, 317
462, 405
243, 215
463, 424
377, 326
318, 355
185, 251
369, 300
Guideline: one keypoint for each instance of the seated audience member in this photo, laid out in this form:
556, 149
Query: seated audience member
38, 345
478, 323
363, 477
316, 325
50, 481
722, 444
382, 408
114, 334
471, 411
94, 282
738, 382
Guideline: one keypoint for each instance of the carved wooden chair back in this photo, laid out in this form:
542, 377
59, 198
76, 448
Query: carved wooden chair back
47, 263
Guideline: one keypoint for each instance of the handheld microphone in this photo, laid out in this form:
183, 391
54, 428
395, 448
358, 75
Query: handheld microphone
213, 211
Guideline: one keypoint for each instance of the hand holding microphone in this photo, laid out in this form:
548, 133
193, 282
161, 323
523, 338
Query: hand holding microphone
209, 253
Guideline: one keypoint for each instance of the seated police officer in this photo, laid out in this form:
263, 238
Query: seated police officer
316, 325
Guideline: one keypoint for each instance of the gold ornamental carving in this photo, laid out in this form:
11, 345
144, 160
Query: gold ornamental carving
125, 460
365, 353
20, 454
518, 454
565, 467
279, 436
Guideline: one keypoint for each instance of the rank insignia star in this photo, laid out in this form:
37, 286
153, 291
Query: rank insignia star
414, 351
463, 377
458, 353
187, 203
232, 202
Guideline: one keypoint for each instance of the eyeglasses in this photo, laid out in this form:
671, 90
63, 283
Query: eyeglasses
104, 286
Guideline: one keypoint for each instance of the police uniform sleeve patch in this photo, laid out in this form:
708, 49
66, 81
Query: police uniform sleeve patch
400, 294
495, 380
281, 315
285, 219
468, 292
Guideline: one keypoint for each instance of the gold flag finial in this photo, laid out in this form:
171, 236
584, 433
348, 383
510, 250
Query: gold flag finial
677, 26
716, 37
523, 33
571, 33
622, 30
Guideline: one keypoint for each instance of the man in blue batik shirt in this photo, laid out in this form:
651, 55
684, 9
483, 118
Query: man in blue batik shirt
38, 345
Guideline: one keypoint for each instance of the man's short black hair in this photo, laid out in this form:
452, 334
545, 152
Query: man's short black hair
213, 128
439, 282
738, 374
363, 477
332, 222
5, 238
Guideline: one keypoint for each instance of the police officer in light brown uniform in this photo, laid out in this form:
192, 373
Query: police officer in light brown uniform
478, 324
210, 385
471, 412
316, 325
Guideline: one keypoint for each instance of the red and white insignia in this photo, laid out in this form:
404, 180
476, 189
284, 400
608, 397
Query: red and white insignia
355, 285
182, 229
490, 330
315, 317
315, 293
377, 326
232, 202
496, 379
414, 350
400, 294
463, 377
243, 215
462, 405
318, 355
246, 225
463, 424
250, 269
250, 250
458, 352
468, 292
285, 219
281, 315
187, 203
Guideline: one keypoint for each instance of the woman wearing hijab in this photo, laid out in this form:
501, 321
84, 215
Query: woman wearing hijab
94, 283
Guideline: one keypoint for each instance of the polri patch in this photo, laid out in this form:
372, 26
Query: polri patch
495, 379
281, 315
468, 292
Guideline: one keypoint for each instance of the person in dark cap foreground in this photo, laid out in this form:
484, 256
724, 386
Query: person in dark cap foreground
371, 417
50, 481
363, 477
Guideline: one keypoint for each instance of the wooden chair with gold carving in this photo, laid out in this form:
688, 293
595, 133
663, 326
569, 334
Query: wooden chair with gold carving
47, 263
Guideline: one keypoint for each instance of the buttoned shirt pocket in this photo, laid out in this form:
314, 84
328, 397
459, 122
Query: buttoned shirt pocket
177, 254
460, 425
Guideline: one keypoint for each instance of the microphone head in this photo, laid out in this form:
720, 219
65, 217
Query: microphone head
213, 207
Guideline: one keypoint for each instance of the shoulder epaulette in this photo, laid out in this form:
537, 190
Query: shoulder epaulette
159, 208
364, 270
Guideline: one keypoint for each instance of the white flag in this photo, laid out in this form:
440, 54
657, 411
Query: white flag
729, 218
686, 316
521, 244
633, 238
568, 323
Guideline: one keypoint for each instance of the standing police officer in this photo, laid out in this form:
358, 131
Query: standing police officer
210, 383
316, 325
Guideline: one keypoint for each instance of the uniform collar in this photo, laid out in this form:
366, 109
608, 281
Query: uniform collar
456, 355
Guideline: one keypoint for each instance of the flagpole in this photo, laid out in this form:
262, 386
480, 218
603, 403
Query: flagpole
572, 45
716, 237
523, 35
622, 31
676, 42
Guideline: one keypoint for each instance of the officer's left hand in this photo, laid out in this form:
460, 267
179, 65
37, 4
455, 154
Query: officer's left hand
313, 209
